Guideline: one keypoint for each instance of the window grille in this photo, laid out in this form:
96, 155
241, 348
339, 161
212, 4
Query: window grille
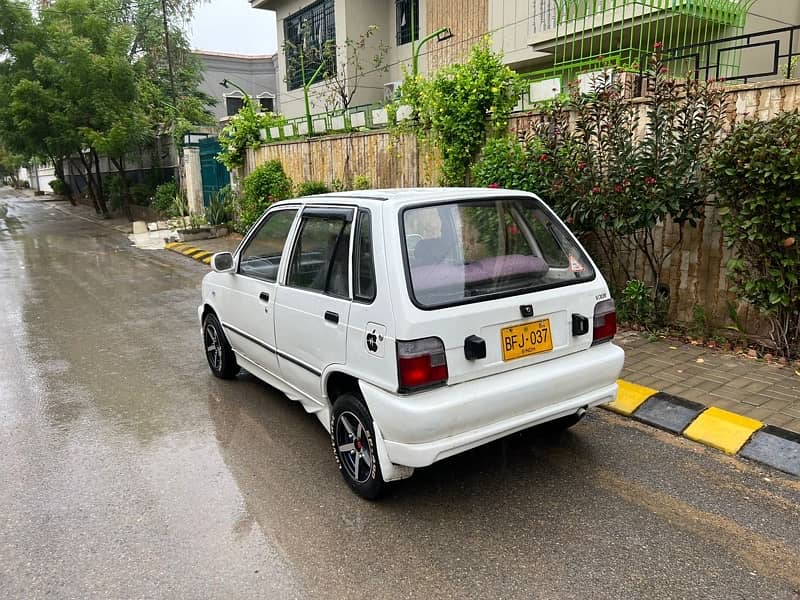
407, 12
310, 34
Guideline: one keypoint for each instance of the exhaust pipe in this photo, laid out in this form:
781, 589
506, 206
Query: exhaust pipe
581, 411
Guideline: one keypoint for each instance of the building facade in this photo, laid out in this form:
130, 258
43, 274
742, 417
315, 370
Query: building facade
563, 38
256, 75
398, 22
552, 41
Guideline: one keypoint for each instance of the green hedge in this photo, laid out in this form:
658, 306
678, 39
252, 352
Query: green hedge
757, 172
268, 183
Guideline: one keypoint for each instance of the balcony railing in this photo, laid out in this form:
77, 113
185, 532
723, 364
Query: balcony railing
762, 55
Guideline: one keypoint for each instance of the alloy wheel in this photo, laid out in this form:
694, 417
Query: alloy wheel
353, 447
213, 347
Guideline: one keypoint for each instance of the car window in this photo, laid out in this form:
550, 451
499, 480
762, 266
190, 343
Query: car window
261, 257
461, 251
364, 267
321, 258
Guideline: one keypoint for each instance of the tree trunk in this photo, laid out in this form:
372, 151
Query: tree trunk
90, 183
58, 167
119, 164
74, 191
101, 198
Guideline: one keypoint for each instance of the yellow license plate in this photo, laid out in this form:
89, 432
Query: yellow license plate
526, 339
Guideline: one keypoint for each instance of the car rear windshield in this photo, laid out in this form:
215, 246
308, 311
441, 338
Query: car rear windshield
470, 250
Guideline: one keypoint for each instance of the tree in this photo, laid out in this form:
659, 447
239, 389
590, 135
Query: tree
85, 78
339, 68
353, 59
10, 164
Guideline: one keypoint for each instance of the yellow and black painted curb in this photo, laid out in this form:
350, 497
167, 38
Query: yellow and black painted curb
198, 254
721, 429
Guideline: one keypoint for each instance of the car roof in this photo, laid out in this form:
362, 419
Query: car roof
402, 196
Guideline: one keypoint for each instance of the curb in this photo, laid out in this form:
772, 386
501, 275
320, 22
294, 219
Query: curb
724, 430
198, 254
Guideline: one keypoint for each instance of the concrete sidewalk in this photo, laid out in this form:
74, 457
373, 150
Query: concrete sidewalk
747, 386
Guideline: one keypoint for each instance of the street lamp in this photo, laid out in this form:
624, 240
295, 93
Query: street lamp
227, 83
440, 34
307, 83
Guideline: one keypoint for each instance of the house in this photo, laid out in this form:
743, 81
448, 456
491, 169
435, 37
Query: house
553, 41
317, 22
255, 74
558, 40
37, 175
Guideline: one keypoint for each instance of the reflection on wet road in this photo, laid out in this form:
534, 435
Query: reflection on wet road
128, 471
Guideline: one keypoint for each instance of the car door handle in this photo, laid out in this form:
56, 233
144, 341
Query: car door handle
331, 316
264, 297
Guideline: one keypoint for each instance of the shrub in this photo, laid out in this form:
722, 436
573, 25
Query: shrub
115, 191
612, 180
361, 182
266, 184
309, 188
757, 173
635, 304
141, 194
60, 187
462, 106
180, 206
700, 326
505, 163
164, 198
121, 193
218, 211
243, 131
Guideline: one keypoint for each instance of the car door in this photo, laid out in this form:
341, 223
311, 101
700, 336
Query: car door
313, 306
249, 314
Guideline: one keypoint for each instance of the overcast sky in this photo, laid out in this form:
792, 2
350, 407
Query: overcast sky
232, 26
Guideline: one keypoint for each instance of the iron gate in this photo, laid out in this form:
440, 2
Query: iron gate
214, 175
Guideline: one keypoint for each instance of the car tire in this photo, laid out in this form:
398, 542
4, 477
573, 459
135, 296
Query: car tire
220, 356
353, 443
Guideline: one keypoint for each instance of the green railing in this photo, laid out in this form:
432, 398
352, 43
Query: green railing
589, 36
591, 29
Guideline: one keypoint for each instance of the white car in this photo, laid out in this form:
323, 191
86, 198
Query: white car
415, 323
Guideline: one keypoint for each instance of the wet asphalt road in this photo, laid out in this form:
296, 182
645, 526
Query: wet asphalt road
128, 471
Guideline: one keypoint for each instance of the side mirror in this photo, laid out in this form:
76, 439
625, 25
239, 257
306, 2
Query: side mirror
222, 262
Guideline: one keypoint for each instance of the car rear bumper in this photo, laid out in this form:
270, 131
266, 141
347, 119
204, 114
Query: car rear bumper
422, 428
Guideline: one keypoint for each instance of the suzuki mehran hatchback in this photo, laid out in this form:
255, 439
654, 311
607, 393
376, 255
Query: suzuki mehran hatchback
415, 323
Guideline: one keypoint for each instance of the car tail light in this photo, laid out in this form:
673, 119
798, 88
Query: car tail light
605, 321
421, 363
